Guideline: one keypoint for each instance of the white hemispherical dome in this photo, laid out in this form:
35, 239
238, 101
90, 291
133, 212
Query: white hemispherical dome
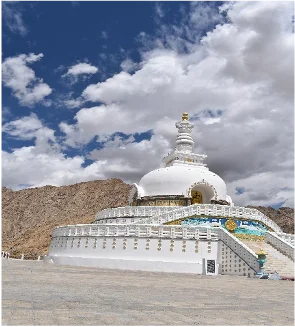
181, 180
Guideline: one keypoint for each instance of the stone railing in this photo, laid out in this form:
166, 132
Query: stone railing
289, 238
142, 211
136, 231
213, 210
239, 248
280, 244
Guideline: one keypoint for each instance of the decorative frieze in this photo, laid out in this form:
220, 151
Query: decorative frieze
164, 201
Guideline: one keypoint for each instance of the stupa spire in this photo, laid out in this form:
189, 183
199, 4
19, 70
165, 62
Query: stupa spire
184, 145
184, 141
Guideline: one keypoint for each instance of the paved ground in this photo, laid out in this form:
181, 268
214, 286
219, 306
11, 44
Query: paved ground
38, 293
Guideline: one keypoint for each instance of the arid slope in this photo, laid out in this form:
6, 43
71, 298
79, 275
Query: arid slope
29, 216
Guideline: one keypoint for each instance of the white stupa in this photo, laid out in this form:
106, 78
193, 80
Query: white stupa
185, 179
179, 219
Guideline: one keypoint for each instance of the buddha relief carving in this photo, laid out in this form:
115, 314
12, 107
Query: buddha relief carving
197, 197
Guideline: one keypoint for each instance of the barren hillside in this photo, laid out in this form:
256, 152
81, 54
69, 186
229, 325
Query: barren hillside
284, 217
29, 216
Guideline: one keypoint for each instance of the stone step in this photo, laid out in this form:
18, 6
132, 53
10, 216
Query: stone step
276, 261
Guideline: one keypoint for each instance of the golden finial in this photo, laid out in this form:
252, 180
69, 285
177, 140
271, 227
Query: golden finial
185, 116
261, 252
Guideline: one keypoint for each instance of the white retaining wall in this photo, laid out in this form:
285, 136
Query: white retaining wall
151, 254
152, 248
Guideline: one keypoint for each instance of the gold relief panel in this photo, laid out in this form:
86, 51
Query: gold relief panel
197, 197
173, 203
162, 202
250, 237
174, 222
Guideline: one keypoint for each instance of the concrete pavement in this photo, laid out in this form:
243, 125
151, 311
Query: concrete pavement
38, 293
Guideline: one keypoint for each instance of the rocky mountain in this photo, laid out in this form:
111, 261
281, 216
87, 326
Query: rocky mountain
30, 215
283, 216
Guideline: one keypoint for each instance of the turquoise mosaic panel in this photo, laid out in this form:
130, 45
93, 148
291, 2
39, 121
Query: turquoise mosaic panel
248, 227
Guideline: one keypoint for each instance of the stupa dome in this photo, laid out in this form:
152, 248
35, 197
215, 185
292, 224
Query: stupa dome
182, 180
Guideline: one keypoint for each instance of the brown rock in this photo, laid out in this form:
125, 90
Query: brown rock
30, 215
283, 216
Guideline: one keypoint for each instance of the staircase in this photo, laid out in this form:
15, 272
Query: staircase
276, 261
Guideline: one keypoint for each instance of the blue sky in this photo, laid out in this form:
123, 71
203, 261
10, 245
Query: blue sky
92, 90
69, 32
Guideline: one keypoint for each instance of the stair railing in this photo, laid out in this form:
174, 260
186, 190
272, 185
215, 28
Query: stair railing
289, 238
280, 244
239, 248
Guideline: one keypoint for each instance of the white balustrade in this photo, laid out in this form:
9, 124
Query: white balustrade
159, 231
141, 211
211, 210
280, 244
289, 238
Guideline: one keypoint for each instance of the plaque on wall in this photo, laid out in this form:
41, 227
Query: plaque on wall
211, 266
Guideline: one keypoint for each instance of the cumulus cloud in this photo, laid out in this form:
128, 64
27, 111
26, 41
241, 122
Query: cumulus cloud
42, 163
136, 158
21, 79
241, 72
128, 65
24, 167
82, 69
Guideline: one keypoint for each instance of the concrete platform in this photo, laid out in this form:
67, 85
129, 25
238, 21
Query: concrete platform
38, 293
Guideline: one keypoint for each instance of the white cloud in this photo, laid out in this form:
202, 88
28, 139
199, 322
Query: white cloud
91, 122
193, 19
73, 103
136, 158
6, 113
42, 163
25, 167
128, 65
21, 79
24, 128
82, 68
77, 71
31, 128
13, 18
242, 69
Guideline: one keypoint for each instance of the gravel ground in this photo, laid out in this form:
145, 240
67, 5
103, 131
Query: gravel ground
38, 293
